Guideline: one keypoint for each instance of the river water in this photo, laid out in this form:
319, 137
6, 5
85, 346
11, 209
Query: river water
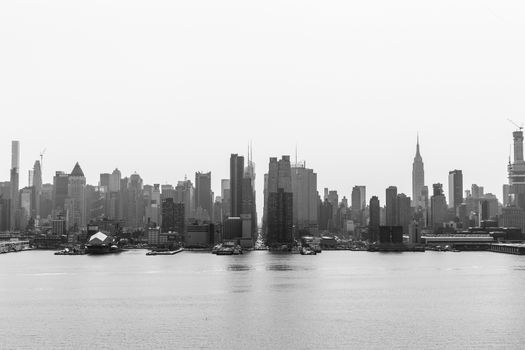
260, 300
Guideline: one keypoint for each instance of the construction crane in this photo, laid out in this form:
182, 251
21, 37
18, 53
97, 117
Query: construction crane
519, 126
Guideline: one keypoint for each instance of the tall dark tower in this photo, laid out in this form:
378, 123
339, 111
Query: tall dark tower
391, 206
455, 188
373, 224
236, 176
203, 194
15, 171
418, 179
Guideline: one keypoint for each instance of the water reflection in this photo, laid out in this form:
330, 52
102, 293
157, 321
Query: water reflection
279, 267
239, 267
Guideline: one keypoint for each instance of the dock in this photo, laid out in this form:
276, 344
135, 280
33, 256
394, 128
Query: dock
508, 248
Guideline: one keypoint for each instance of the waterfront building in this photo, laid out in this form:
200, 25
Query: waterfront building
418, 180
199, 235
305, 204
455, 189
173, 216
280, 202
374, 222
392, 215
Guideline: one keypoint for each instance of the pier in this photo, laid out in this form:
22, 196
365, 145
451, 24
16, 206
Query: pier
508, 248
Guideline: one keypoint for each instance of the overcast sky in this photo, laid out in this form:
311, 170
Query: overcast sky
167, 88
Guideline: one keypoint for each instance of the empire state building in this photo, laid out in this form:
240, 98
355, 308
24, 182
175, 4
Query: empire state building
418, 179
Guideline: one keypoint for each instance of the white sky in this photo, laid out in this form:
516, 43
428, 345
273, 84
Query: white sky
167, 88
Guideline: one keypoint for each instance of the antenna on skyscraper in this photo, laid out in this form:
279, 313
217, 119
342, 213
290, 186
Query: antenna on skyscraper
520, 126
42, 159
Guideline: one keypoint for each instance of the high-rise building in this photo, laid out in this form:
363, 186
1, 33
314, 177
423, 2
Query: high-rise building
438, 204
173, 216
77, 214
5, 205
37, 189
104, 180
185, 193
15, 185
280, 202
203, 195
248, 203
418, 180
455, 188
374, 222
135, 202
60, 191
391, 206
358, 203
404, 211
236, 176
516, 171
114, 181
226, 198
506, 195
305, 204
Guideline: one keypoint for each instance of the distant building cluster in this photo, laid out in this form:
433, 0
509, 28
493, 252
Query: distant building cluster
189, 212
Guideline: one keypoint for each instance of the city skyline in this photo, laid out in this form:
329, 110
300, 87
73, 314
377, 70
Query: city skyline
374, 187
455, 80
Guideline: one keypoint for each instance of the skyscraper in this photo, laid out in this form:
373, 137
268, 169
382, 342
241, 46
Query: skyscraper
373, 225
438, 204
135, 202
226, 198
248, 203
358, 203
305, 204
37, 188
280, 203
77, 214
418, 179
236, 175
404, 211
203, 195
15, 186
391, 206
455, 188
60, 186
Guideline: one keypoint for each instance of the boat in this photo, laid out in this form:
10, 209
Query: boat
307, 251
165, 252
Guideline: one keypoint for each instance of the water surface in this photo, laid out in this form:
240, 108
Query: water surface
259, 300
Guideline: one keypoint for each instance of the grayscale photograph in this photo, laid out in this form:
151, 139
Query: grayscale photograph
280, 174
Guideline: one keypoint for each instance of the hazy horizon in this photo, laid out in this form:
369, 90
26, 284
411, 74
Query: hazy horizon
170, 88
